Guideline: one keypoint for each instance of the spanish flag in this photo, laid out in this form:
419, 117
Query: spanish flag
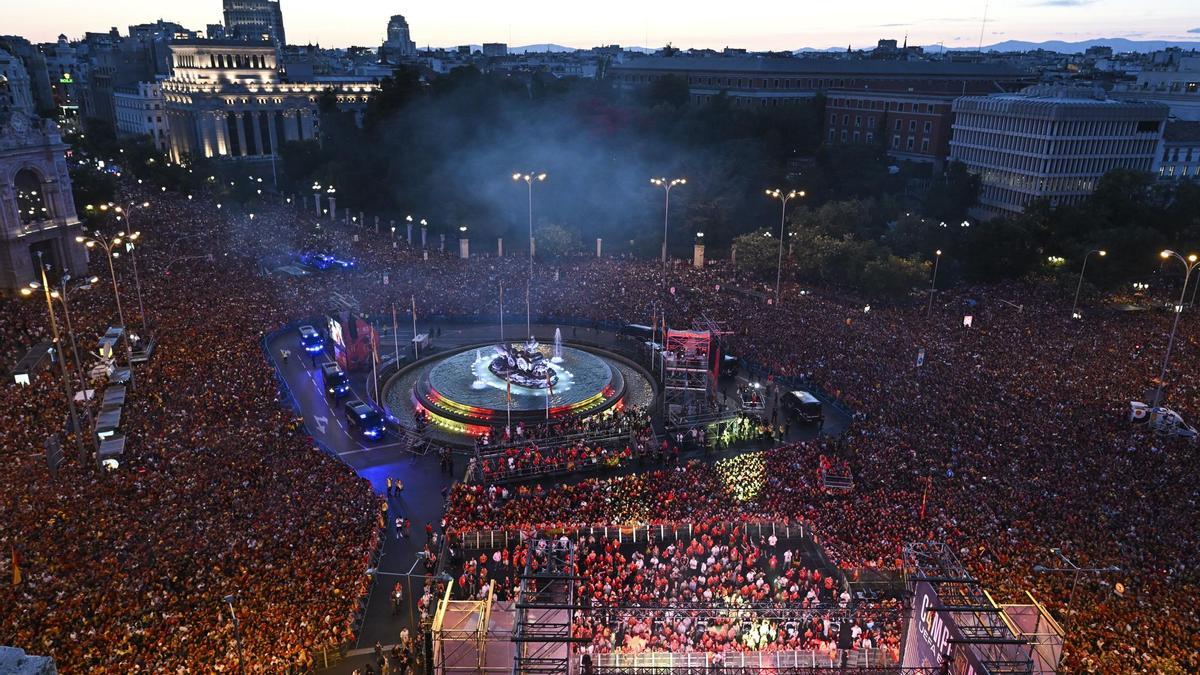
16, 568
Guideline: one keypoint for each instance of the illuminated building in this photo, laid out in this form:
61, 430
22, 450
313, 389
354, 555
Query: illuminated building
228, 98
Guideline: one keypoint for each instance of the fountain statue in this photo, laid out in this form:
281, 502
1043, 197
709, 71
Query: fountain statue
557, 346
523, 365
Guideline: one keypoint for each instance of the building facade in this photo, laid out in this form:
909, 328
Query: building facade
37, 212
140, 112
229, 99
1050, 142
1175, 82
254, 20
16, 78
776, 81
911, 127
1180, 155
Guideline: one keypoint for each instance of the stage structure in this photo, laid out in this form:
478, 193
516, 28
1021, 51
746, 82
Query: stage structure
471, 636
956, 624
691, 362
546, 609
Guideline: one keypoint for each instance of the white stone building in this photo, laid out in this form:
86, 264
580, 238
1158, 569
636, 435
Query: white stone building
140, 112
231, 99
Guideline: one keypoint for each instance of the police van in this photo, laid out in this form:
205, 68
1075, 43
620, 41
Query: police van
337, 383
803, 406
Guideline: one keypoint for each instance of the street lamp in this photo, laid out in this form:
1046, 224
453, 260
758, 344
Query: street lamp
529, 179
237, 637
1075, 314
666, 185
108, 246
933, 285
1189, 264
61, 358
783, 198
1075, 570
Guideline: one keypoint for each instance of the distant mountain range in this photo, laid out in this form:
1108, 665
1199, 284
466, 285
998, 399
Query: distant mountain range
1118, 45
539, 49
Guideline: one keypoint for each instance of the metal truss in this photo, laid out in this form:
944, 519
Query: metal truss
545, 609
981, 621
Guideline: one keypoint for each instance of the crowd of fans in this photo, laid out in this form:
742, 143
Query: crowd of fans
1011, 438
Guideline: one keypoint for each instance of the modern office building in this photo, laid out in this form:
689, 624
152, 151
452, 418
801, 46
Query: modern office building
230, 99
140, 112
1051, 142
254, 20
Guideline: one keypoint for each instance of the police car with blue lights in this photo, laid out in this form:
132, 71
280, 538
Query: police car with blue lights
337, 383
366, 418
311, 340
317, 261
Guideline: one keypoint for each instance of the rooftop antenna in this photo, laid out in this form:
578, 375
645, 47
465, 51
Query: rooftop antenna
983, 24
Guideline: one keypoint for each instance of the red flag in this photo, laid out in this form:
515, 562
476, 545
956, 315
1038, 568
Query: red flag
16, 568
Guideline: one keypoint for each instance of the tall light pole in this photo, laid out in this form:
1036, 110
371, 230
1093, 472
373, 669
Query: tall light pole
530, 179
108, 245
1074, 313
666, 185
132, 248
237, 637
1189, 264
61, 357
1075, 570
64, 294
933, 284
783, 198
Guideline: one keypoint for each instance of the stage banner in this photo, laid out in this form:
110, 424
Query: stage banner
928, 641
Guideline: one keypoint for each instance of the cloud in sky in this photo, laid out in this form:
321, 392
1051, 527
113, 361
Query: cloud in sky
1194, 30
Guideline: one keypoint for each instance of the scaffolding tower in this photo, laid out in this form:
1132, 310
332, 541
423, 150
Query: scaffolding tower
688, 386
983, 630
468, 638
545, 609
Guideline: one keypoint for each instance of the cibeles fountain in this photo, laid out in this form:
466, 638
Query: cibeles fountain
480, 388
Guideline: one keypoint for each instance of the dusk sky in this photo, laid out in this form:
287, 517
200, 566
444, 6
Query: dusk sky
703, 23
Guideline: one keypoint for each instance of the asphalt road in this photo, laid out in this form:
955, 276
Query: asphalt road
422, 500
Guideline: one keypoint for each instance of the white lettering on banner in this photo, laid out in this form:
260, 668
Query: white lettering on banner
935, 633
321, 421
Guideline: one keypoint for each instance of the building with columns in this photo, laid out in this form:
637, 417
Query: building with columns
37, 211
231, 99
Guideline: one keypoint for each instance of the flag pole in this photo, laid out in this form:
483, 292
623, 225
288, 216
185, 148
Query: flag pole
501, 311
528, 328
396, 335
416, 348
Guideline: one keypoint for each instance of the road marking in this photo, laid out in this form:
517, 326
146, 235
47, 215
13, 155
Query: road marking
321, 421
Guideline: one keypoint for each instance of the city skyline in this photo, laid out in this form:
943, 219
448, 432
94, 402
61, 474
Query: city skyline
954, 25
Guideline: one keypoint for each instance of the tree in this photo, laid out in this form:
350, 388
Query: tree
555, 241
952, 195
757, 252
891, 276
671, 90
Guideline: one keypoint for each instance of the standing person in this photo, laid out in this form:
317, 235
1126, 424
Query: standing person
380, 659
389, 486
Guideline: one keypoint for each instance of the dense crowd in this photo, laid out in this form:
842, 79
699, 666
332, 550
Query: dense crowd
220, 493
1010, 439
